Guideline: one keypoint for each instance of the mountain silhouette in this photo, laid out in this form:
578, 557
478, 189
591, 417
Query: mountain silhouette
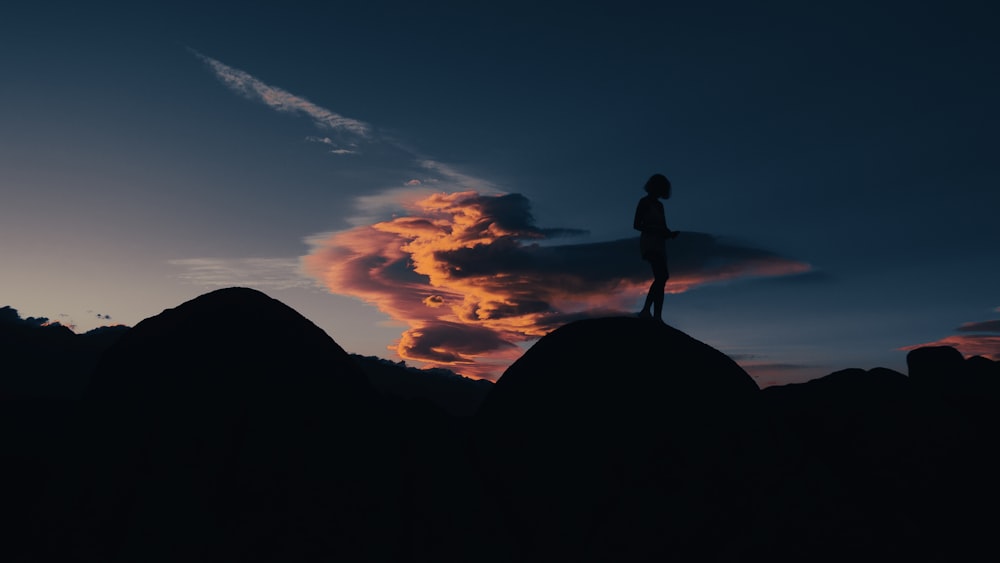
228, 428
881, 463
48, 361
44, 370
231, 428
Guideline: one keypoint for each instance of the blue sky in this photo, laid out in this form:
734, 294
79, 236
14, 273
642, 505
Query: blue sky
833, 163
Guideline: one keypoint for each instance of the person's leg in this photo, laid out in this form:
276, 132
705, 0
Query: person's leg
644, 313
654, 297
657, 288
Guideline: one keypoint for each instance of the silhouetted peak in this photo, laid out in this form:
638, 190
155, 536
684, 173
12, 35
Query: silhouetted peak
222, 420
590, 402
228, 306
243, 296
228, 336
617, 357
615, 374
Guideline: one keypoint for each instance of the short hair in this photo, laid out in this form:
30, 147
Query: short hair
657, 184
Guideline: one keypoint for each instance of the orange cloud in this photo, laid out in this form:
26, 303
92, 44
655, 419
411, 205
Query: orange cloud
466, 273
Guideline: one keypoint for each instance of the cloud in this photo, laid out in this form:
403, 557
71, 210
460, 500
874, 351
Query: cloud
337, 149
468, 274
424, 175
281, 100
982, 326
449, 179
348, 133
396, 200
101, 316
262, 273
434, 301
461, 264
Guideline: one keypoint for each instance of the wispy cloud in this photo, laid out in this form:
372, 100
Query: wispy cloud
281, 100
262, 273
429, 178
981, 326
349, 136
334, 147
464, 271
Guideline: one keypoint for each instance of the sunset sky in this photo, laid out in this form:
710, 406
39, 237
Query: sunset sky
444, 182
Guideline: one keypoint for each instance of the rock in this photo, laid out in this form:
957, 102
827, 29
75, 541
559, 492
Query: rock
935, 365
983, 368
604, 423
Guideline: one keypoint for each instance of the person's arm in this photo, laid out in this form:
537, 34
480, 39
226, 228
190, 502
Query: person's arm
668, 233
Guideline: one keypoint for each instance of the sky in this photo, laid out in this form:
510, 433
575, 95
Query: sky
446, 182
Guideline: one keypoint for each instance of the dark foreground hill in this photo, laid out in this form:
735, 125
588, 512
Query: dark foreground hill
605, 418
622, 440
233, 429
48, 361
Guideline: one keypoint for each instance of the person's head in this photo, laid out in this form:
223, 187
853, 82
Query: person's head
658, 186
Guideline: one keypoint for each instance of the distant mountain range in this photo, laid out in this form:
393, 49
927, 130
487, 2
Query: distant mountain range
231, 428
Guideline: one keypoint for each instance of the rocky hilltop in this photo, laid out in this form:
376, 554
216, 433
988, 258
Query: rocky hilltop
231, 428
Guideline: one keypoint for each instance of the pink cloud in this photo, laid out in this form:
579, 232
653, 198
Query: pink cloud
466, 273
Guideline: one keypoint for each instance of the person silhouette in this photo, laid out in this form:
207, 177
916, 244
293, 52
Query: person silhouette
651, 221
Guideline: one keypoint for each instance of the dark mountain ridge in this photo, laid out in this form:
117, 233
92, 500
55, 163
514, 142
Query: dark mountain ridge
232, 428
41, 360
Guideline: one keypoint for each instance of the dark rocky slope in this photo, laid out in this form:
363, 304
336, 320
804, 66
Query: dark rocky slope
619, 438
233, 429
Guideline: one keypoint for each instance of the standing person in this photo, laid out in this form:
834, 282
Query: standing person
652, 222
